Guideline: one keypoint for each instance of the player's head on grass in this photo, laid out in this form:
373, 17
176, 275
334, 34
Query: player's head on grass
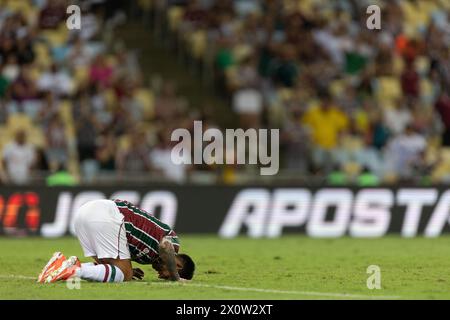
185, 267
188, 266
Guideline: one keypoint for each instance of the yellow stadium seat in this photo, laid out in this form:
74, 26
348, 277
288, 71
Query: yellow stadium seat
124, 143
388, 90
426, 88
19, 121
111, 60
398, 65
5, 137
337, 87
351, 169
442, 169
110, 97
20, 6
412, 13
422, 64
43, 58
146, 98
198, 42
145, 4
231, 76
175, 15
65, 111
37, 137
81, 75
285, 93
58, 37
242, 51
445, 155
35, 72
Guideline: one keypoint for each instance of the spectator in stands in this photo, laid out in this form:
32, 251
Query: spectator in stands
160, 158
106, 151
24, 53
100, 72
296, 141
284, 69
133, 159
410, 80
56, 150
443, 108
79, 54
4, 83
326, 122
247, 97
52, 14
404, 150
397, 117
11, 68
378, 134
166, 103
18, 159
86, 127
24, 87
55, 80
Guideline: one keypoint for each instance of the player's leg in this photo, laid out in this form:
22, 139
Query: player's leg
100, 231
104, 272
102, 236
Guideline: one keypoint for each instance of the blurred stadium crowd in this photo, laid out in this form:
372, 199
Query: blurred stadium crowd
353, 105
72, 101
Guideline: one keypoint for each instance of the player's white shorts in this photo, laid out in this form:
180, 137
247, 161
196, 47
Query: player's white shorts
100, 229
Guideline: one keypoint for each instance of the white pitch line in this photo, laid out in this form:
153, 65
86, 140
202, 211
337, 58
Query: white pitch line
13, 276
305, 293
201, 285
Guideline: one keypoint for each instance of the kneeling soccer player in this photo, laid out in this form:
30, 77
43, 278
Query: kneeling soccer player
114, 233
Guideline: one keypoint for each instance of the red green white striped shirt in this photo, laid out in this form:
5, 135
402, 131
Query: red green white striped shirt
144, 232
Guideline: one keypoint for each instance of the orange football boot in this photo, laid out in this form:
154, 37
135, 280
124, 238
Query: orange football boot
53, 264
65, 271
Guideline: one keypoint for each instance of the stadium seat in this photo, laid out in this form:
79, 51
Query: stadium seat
81, 75
388, 90
146, 99
145, 5
56, 37
19, 121
43, 58
175, 15
124, 142
36, 137
198, 44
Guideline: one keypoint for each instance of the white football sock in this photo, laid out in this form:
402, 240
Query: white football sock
100, 273
85, 264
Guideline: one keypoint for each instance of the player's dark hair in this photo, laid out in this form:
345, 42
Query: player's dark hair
187, 272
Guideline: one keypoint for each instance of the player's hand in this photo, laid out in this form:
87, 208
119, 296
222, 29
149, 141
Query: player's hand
138, 274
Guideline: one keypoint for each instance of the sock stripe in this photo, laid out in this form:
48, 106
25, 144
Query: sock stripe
113, 274
105, 279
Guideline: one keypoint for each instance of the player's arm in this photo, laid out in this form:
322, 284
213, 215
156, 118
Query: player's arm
167, 255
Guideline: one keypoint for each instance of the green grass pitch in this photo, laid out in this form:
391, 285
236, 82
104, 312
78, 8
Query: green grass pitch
291, 267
